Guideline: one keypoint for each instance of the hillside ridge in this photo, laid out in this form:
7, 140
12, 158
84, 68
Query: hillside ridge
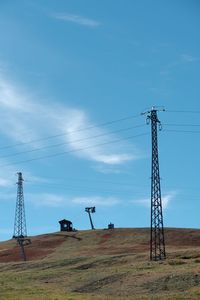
101, 265
101, 241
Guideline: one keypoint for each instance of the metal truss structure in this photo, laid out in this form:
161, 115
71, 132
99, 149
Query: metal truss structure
157, 240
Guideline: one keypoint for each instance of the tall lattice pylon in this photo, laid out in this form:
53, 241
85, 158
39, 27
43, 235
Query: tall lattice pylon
20, 219
157, 240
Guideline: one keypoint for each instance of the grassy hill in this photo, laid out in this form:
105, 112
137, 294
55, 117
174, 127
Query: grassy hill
100, 265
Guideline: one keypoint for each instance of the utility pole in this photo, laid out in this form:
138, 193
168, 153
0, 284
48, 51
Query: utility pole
90, 210
20, 231
157, 240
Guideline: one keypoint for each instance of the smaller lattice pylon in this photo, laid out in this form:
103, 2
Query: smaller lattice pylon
20, 230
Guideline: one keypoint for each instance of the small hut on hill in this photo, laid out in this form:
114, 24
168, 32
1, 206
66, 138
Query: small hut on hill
65, 225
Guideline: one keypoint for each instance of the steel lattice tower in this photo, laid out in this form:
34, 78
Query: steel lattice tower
157, 240
20, 219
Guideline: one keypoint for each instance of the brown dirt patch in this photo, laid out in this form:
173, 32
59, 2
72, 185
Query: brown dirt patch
182, 237
38, 249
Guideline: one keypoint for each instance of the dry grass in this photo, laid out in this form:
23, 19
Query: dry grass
101, 265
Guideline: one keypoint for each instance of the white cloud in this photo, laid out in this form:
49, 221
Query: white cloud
4, 182
78, 139
181, 60
188, 58
46, 199
96, 200
55, 200
29, 178
166, 199
144, 202
76, 19
23, 120
107, 169
114, 159
8, 179
18, 113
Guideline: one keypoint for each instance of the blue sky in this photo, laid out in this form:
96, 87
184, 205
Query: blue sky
74, 78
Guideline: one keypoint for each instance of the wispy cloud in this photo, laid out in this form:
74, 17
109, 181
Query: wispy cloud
108, 169
78, 139
166, 199
46, 199
29, 178
18, 113
4, 182
80, 20
181, 60
188, 58
8, 179
55, 200
23, 119
96, 200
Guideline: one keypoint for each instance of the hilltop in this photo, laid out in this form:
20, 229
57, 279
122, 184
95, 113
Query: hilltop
101, 264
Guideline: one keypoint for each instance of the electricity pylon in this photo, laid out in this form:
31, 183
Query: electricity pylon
20, 232
20, 219
157, 240
90, 210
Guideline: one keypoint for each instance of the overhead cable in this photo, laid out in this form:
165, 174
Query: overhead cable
76, 141
69, 132
74, 150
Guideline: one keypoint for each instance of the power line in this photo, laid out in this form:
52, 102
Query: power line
93, 181
183, 111
69, 132
116, 189
62, 182
183, 131
183, 190
181, 125
76, 150
76, 141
